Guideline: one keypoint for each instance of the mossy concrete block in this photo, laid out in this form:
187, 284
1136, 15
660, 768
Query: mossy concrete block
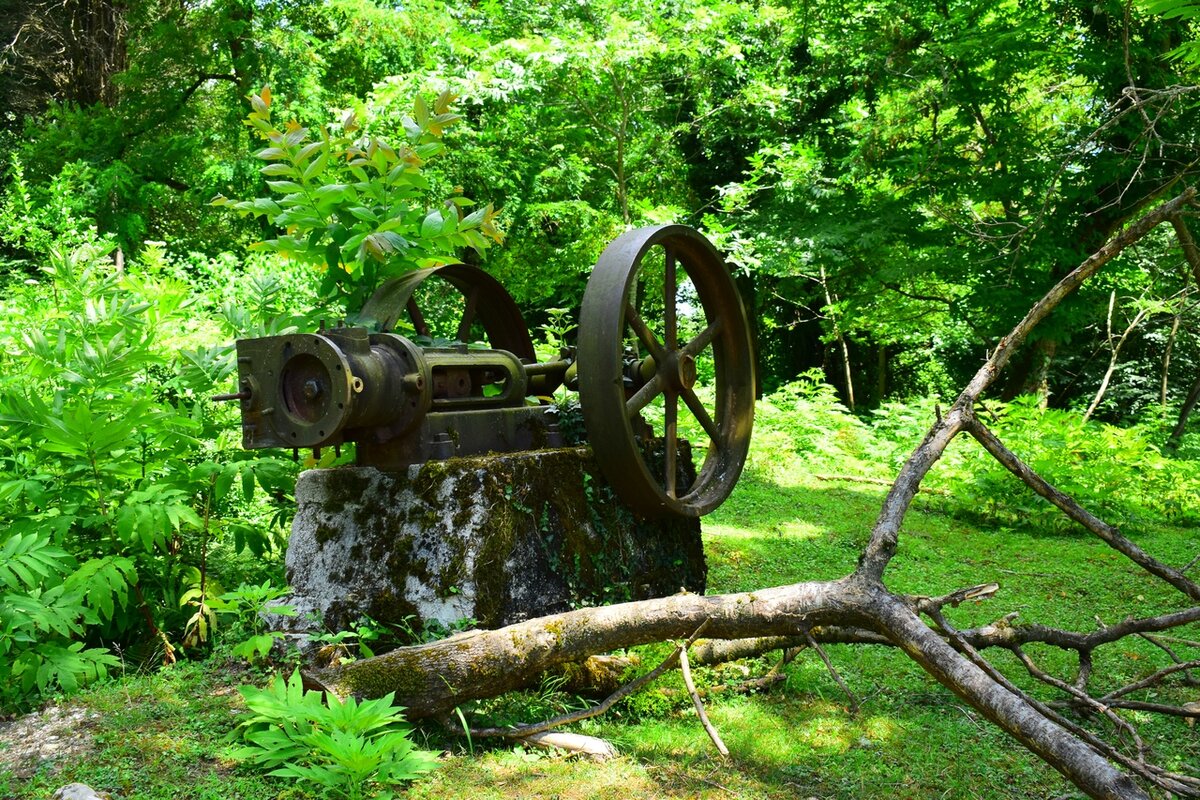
497, 539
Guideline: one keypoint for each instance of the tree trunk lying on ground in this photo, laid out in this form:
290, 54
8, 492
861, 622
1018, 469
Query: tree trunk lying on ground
432, 679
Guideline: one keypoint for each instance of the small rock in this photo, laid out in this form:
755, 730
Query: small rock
78, 791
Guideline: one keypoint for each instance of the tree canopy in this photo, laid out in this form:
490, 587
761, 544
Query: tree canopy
893, 182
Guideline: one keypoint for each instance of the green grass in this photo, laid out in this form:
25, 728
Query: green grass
161, 735
156, 736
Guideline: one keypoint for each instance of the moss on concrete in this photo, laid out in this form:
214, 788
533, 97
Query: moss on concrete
498, 538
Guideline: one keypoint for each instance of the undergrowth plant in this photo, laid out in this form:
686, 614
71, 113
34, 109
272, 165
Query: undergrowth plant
245, 630
357, 205
1118, 472
111, 453
45, 606
354, 749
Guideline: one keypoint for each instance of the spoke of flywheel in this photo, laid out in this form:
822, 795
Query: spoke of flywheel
646, 335
468, 317
671, 334
643, 396
418, 319
670, 441
702, 340
701, 414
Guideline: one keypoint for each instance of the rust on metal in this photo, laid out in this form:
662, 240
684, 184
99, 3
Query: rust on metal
660, 309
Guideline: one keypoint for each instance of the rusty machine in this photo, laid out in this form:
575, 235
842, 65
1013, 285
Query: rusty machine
660, 308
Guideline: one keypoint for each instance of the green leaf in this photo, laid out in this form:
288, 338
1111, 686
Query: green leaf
431, 226
280, 169
285, 186
365, 214
315, 168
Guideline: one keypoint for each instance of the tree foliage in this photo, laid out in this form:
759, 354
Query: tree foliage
358, 207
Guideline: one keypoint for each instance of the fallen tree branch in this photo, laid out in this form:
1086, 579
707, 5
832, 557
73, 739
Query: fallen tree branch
1109, 534
885, 533
698, 704
1013, 711
873, 482
525, 731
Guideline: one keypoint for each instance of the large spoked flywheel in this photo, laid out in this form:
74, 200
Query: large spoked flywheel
664, 347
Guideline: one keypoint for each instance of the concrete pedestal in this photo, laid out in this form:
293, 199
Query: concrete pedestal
496, 539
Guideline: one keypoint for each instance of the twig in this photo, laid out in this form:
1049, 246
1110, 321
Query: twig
836, 677
1158, 708
691, 687
1083, 698
1161, 645
1150, 680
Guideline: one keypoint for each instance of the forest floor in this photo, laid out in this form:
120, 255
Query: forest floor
159, 734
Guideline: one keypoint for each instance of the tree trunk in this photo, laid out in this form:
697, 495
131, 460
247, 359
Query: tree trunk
432, 679
1188, 405
1166, 362
1032, 372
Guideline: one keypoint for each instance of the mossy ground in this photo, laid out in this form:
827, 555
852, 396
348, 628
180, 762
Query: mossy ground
161, 735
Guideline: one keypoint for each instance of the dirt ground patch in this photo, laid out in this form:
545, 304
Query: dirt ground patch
53, 734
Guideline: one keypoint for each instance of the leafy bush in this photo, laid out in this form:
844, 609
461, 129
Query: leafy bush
111, 454
806, 416
1117, 472
35, 218
44, 608
355, 205
354, 749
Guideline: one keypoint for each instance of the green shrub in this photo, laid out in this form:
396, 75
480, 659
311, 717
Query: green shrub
111, 453
355, 749
44, 609
355, 205
1118, 473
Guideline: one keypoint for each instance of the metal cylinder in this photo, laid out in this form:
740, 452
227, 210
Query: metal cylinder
318, 389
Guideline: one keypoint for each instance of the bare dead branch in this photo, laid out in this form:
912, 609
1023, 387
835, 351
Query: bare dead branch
1147, 772
1083, 698
833, 671
698, 704
872, 482
1150, 680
